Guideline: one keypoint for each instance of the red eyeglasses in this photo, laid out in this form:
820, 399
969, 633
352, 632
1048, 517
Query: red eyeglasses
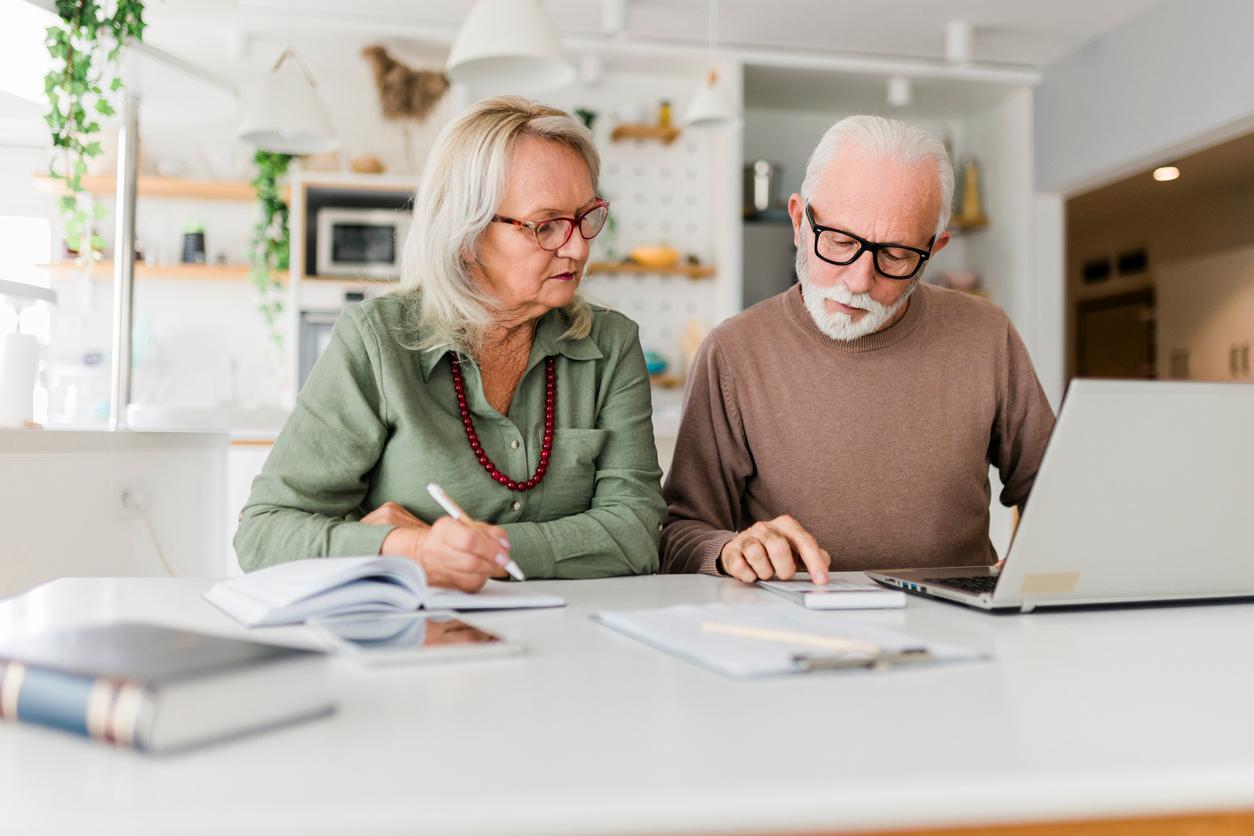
553, 233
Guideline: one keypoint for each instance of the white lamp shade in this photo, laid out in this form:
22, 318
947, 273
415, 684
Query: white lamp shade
711, 106
22, 290
509, 44
289, 117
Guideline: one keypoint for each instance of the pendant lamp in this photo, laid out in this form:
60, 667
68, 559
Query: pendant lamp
289, 116
711, 105
509, 44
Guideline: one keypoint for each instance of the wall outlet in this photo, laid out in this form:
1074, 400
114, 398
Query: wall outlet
128, 498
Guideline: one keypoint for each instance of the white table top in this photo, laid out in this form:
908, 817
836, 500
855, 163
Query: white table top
1078, 715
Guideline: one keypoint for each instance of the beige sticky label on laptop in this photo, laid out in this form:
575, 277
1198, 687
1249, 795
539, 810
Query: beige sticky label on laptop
1049, 583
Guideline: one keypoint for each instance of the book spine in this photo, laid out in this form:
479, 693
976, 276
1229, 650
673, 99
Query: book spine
96, 707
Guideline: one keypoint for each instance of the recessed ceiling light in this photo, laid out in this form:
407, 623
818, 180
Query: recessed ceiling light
1167, 172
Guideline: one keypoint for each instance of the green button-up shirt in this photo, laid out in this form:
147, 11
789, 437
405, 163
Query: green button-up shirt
377, 420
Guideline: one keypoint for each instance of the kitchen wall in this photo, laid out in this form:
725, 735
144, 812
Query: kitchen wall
1180, 72
197, 343
1000, 139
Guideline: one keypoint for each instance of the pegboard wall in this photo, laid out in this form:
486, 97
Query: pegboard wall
659, 194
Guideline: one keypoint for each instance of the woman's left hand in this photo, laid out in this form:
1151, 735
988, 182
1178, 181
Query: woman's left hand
392, 513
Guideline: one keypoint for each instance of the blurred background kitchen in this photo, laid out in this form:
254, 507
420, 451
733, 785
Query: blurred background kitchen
1105, 173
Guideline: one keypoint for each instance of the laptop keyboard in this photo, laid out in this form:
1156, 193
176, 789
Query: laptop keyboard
981, 583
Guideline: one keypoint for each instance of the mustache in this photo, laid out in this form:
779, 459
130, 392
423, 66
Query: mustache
837, 292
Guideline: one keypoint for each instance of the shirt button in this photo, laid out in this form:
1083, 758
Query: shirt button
515, 505
515, 444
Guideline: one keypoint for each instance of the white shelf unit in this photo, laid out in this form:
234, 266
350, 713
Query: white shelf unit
309, 292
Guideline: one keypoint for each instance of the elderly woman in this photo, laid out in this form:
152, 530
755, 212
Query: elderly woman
487, 374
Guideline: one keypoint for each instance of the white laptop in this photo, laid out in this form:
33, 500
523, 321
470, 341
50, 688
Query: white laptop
1145, 493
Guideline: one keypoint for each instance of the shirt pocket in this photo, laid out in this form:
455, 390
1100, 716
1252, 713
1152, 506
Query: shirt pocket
571, 477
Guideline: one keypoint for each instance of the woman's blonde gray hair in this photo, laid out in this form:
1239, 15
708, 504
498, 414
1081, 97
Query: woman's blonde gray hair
463, 184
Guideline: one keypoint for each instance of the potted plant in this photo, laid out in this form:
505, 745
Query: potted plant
86, 46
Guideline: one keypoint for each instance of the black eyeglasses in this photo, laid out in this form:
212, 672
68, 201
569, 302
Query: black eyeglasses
553, 233
892, 261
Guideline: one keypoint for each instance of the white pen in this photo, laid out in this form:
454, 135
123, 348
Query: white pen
455, 511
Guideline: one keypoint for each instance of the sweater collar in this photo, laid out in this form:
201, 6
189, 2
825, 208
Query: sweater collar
795, 306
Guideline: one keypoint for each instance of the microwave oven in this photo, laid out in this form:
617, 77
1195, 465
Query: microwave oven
361, 242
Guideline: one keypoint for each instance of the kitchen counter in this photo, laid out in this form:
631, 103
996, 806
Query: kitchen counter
53, 440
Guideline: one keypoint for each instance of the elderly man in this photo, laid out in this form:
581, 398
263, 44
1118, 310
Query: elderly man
849, 422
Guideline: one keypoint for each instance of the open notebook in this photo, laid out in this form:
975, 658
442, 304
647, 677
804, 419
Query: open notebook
294, 592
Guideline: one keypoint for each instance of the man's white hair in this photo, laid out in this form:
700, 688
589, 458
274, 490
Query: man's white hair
888, 138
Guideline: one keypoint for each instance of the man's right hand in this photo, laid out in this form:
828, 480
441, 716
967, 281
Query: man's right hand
772, 549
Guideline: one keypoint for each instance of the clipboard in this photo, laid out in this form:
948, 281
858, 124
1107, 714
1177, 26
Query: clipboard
750, 640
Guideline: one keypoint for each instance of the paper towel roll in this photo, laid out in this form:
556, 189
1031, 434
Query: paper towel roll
19, 363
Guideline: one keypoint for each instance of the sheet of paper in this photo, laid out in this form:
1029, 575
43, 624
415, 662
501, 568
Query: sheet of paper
495, 595
678, 630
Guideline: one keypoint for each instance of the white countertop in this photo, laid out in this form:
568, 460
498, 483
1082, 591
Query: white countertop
75, 441
1078, 715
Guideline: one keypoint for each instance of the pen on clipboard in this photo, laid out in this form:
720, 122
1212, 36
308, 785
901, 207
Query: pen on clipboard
834, 643
455, 511
851, 653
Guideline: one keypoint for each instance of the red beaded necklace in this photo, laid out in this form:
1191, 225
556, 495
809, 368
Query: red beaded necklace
546, 448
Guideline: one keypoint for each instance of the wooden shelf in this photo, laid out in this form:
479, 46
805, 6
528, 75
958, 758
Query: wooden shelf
695, 271
178, 272
359, 182
665, 135
153, 186
363, 281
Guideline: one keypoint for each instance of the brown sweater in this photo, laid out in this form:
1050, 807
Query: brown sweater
879, 446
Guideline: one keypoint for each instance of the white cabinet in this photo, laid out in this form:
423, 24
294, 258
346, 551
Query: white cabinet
1206, 317
243, 463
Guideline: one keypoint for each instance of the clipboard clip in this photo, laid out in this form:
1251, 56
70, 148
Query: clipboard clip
877, 661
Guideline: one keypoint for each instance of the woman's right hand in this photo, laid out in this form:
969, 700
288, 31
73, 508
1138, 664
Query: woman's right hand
453, 554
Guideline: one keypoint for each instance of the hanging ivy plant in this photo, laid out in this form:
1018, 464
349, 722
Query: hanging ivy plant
86, 46
271, 245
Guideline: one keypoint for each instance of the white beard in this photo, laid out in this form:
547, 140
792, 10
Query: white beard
840, 325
